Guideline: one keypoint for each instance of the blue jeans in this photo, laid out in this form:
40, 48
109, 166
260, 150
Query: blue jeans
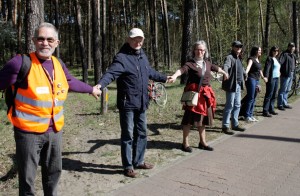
251, 84
133, 137
285, 85
270, 96
38, 149
232, 108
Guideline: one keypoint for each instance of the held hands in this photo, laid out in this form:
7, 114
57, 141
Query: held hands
96, 91
225, 76
265, 79
171, 79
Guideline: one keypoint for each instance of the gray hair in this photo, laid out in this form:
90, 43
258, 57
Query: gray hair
47, 25
203, 43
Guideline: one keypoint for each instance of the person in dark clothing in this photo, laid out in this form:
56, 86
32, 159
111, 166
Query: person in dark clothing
38, 118
198, 68
233, 86
132, 70
253, 72
287, 60
272, 72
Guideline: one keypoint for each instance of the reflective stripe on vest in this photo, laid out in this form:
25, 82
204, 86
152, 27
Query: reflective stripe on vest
43, 104
31, 117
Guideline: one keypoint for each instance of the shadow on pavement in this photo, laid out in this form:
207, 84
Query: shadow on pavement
267, 137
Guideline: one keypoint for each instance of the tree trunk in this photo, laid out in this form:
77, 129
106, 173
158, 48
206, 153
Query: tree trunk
81, 42
103, 36
89, 36
295, 27
56, 14
206, 21
70, 34
3, 9
153, 31
261, 20
10, 5
189, 11
19, 27
111, 30
267, 28
96, 40
247, 25
33, 17
166, 34
125, 16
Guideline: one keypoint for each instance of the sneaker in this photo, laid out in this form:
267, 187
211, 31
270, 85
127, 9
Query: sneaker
130, 173
238, 128
227, 131
254, 119
281, 108
249, 120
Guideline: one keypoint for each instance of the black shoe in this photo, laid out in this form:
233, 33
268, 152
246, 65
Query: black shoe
238, 128
186, 149
208, 148
281, 108
227, 131
288, 106
267, 115
274, 113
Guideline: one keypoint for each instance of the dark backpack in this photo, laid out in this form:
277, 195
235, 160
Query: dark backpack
10, 95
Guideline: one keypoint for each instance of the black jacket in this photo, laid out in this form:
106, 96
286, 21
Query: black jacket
132, 71
288, 63
268, 69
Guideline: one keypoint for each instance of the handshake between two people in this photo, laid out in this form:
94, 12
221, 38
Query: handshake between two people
96, 91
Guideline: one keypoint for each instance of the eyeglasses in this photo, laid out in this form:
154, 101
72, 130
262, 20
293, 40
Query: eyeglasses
50, 40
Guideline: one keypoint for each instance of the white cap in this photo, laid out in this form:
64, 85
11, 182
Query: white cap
136, 32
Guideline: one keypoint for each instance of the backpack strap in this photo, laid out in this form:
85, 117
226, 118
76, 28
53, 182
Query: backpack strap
24, 70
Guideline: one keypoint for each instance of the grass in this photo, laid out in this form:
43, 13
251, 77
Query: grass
83, 119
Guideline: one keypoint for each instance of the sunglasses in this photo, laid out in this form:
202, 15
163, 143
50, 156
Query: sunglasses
48, 39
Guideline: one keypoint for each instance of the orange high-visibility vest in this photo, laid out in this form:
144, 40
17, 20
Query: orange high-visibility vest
41, 101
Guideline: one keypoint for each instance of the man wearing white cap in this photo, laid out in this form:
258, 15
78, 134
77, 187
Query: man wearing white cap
132, 70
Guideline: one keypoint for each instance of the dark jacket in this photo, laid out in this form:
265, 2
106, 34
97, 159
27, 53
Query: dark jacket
268, 69
132, 71
288, 63
230, 66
